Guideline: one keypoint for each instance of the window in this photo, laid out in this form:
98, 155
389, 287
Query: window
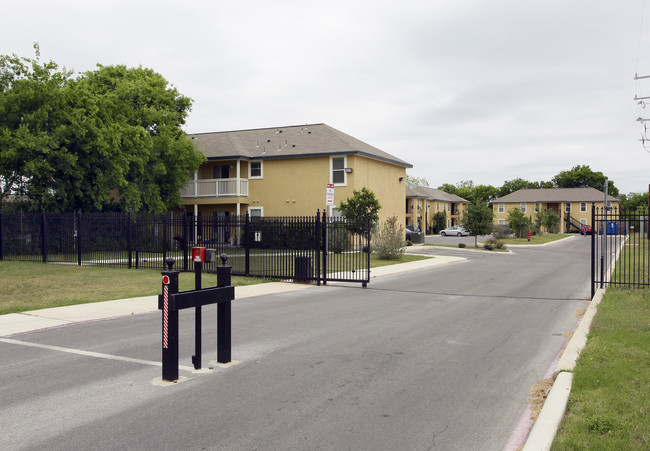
255, 212
502, 222
537, 207
583, 221
523, 208
502, 208
567, 207
338, 175
583, 207
221, 172
255, 170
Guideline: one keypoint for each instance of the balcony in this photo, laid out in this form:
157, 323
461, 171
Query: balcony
214, 188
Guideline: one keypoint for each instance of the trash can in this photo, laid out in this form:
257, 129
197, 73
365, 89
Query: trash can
304, 268
612, 228
417, 237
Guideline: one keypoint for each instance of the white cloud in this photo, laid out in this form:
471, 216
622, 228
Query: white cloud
487, 91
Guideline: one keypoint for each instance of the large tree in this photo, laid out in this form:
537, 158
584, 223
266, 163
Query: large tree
363, 204
108, 139
478, 220
582, 176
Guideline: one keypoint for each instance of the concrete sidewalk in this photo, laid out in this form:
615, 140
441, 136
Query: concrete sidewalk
15, 323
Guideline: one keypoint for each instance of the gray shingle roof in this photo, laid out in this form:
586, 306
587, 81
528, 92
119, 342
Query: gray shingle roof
434, 194
286, 142
555, 195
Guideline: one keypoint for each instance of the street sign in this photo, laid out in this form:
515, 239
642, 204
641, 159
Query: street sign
329, 198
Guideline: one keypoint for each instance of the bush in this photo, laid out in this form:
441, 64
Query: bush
461, 245
493, 243
502, 232
488, 246
388, 240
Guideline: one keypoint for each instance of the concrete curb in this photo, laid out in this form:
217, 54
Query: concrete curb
550, 418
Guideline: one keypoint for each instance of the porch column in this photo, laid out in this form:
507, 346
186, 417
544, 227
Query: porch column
238, 182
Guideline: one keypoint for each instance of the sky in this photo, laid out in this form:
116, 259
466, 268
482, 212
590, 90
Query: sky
462, 90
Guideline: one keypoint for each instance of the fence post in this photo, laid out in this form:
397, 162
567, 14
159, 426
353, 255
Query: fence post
164, 238
43, 237
317, 235
186, 239
367, 249
1, 237
247, 244
129, 238
325, 247
593, 250
78, 219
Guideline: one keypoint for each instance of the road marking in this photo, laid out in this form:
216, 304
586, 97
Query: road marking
98, 355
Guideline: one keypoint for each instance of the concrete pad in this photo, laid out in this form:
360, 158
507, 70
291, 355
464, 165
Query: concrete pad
14, 323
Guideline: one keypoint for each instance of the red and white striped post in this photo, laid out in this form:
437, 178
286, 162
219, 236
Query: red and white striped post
169, 324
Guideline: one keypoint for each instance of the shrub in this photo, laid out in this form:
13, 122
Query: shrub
388, 240
461, 245
488, 246
493, 243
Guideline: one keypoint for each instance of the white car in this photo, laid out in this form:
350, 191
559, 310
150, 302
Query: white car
454, 231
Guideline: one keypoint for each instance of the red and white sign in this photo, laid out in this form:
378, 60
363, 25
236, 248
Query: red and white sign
329, 197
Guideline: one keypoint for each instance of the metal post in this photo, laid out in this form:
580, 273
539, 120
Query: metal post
196, 358
44, 236
78, 237
317, 246
1, 238
129, 238
593, 250
247, 239
224, 332
169, 324
603, 260
325, 247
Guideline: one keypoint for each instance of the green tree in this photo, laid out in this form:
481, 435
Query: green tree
363, 204
439, 221
473, 193
634, 202
518, 221
414, 182
478, 220
582, 176
109, 139
548, 219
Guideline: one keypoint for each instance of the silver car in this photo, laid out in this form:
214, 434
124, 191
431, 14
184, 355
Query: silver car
454, 231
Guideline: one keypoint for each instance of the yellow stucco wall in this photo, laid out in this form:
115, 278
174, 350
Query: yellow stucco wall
297, 186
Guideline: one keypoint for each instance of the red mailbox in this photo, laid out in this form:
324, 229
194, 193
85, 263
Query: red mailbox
198, 254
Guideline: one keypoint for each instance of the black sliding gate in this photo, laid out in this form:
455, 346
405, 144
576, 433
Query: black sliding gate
620, 249
310, 248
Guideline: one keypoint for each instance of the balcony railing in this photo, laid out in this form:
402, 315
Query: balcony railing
216, 188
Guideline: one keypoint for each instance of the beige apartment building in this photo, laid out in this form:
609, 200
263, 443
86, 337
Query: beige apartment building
285, 171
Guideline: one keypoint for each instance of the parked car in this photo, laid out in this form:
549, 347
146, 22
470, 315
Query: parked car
409, 229
585, 230
454, 231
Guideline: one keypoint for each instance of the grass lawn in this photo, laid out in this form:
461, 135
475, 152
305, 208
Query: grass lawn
33, 285
609, 405
537, 239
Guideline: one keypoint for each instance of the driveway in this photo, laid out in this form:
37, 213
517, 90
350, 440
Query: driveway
440, 358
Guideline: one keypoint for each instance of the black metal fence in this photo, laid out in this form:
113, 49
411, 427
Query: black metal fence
311, 248
620, 249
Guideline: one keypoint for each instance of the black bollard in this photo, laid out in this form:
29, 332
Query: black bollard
223, 314
169, 324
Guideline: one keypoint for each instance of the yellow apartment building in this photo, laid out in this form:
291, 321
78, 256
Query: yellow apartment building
422, 203
285, 171
573, 205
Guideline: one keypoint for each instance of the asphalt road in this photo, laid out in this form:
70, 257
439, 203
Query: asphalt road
441, 359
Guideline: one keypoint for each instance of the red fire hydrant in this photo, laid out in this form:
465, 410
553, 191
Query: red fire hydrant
528, 236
